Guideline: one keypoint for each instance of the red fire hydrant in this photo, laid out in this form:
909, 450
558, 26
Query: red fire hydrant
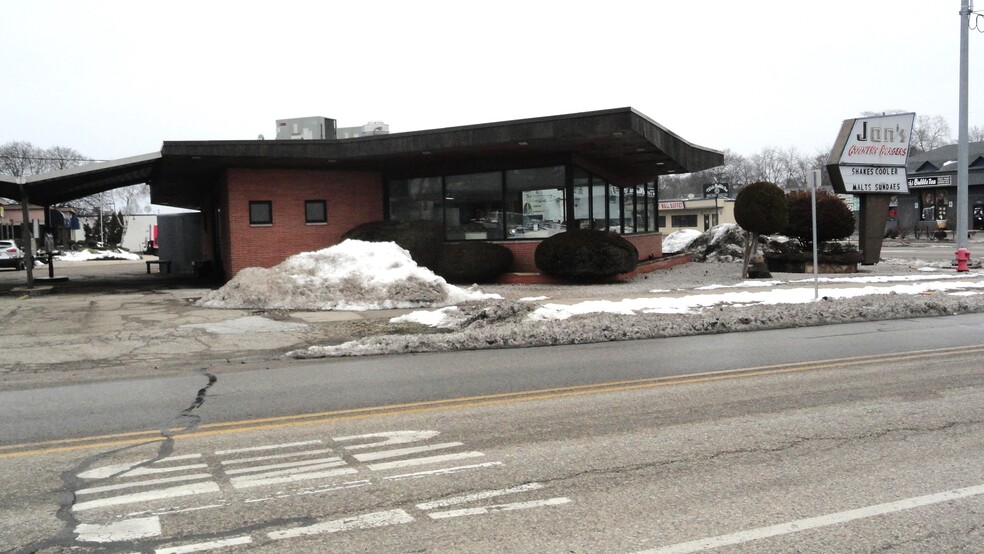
963, 256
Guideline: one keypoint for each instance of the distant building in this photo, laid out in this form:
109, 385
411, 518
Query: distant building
323, 128
695, 213
932, 180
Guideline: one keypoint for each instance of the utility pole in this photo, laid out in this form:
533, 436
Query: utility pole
27, 239
967, 6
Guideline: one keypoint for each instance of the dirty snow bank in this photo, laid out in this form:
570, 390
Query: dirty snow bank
353, 275
510, 326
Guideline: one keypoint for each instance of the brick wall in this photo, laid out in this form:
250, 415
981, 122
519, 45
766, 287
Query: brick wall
649, 245
353, 197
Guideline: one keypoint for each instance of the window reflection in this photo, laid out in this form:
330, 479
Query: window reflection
473, 206
523, 203
535, 202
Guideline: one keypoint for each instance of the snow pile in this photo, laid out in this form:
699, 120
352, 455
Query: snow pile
678, 241
721, 243
86, 255
353, 275
603, 327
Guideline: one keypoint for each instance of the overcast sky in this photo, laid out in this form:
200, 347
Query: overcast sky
115, 79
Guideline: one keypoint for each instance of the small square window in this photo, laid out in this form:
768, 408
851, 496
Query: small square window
315, 211
261, 212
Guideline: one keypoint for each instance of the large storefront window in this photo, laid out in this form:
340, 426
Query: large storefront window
582, 199
523, 203
934, 205
599, 203
535, 202
473, 207
416, 199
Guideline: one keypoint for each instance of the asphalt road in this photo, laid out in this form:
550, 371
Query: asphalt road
845, 438
345, 383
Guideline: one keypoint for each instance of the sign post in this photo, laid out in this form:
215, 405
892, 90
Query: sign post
868, 159
814, 185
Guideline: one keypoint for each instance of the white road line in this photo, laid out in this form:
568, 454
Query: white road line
170, 511
365, 521
383, 454
343, 486
253, 481
500, 508
133, 484
478, 496
287, 471
445, 471
424, 461
177, 458
819, 521
203, 546
266, 447
124, 470
392, 437
126, 530
173, 492
321, 462
275, 456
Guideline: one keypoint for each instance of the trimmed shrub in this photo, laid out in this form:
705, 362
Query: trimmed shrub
834, 219
760, 208
586, 255
473, 262
423, 239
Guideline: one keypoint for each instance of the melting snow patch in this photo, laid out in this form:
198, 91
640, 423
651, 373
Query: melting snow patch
677, 241
86, 255
436, 318
533, 298
354, 275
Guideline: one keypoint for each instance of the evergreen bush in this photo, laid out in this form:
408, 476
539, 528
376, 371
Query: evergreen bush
760, 208
835, 220
586, 255
473, 262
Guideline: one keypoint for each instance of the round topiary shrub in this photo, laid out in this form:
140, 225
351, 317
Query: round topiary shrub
423, 239
834, 219
760, 208
473, 262
586, 255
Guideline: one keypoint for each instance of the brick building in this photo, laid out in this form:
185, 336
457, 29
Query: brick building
512, 182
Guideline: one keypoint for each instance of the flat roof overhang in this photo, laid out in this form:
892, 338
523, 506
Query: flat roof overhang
621, 145
69, 184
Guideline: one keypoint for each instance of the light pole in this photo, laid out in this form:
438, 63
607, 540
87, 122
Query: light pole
966, 7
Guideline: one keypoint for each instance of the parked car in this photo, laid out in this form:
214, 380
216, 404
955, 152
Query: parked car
11, 255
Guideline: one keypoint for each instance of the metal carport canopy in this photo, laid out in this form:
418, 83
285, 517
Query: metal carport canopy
46, 189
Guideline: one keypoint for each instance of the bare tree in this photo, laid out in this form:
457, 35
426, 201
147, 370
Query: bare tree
21, 158
928, 133
975, 134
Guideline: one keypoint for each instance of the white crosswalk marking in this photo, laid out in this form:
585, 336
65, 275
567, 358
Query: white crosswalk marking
455, 500
173, 492
425, 461
383, 454
499, 508
365, 521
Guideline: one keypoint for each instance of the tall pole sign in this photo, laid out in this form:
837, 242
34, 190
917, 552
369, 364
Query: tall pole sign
868, 159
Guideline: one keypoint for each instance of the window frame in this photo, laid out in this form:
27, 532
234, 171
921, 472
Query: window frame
324, 212
258, 203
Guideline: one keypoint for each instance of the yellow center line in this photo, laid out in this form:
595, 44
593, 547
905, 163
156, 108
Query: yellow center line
283, 422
